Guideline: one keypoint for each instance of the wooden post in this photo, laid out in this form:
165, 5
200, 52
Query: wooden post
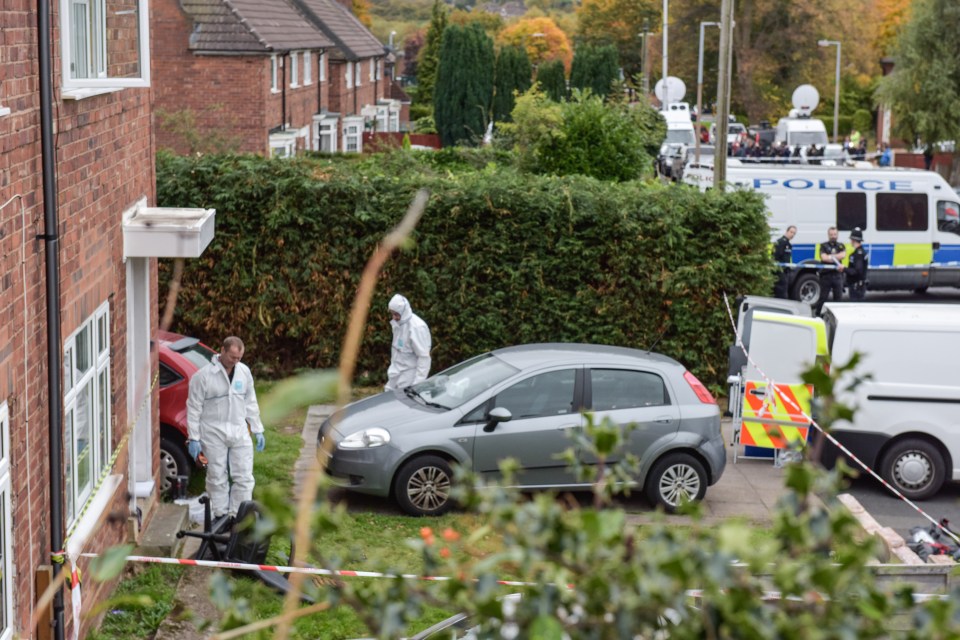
44, 577
723, 93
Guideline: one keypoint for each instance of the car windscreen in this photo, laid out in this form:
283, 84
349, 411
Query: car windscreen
198, 355
465, 381
680, 136
804, 138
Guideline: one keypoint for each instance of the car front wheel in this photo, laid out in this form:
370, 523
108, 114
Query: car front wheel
423, 486
173, 463
915, 468
676, 478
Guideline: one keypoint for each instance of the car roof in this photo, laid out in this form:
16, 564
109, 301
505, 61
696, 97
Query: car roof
559, 353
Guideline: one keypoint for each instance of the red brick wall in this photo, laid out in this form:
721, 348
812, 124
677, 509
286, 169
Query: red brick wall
350, 101
104, 165
228, 98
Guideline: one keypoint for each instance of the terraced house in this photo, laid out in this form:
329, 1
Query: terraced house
268, 76
78, 244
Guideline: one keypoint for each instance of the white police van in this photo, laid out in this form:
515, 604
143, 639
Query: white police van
910, 219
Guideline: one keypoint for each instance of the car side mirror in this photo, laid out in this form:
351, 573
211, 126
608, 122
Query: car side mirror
495, 417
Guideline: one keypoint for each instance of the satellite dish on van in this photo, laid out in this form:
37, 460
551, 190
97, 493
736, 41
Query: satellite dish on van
676, 89
805, 99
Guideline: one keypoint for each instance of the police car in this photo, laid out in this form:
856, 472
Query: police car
910, 219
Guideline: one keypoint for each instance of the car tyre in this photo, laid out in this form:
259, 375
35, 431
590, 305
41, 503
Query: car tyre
173, 462
915, 468
675, 478
807, 288
423, 486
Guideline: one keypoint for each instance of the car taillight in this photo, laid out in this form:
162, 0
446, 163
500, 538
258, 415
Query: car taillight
702, 392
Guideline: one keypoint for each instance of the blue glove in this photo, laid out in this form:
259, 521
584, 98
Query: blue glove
193, 448
261, 442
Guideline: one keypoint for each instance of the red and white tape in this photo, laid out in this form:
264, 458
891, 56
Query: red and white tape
829, 437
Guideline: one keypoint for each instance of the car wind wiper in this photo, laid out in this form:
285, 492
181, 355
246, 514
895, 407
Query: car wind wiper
413, 393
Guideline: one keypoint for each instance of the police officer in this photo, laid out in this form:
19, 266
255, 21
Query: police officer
783, 254
856, 272
832, 254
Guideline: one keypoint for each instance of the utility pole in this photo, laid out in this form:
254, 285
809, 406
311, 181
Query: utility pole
666, 85
645, 77
723, 92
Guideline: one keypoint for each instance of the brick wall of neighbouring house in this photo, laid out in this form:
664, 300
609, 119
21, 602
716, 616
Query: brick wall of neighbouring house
302, 102
350, 101
104, 164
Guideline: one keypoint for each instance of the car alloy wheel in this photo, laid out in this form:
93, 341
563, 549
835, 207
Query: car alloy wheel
674, 479
423, 486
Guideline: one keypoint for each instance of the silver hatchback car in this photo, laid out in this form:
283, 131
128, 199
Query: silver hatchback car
524, 402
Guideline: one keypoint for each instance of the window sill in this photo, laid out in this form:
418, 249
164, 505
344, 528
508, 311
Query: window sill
4, 111
80, 94
98, 504
294, 86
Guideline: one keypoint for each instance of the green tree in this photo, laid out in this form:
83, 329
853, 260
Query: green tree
553, 80
464, 86
428, 60
584, 136
924, 88
595, 68
512, 74
619, 23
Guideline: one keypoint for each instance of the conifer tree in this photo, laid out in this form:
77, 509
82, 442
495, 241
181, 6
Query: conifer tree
464, 86
428, 60
594, 68
512, 74
553, 80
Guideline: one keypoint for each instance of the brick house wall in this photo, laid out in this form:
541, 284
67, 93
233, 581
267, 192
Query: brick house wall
105, 163
350, 101
228, 96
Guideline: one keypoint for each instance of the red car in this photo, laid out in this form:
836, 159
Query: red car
180, 358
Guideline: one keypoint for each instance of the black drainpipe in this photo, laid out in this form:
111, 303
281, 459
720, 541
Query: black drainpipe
51, 226
285, 60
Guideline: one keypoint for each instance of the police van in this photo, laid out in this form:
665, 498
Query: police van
910, 219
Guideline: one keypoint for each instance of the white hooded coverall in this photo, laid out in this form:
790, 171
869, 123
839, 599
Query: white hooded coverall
218, 411
410, 350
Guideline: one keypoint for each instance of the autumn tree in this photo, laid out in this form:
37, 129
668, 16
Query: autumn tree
464, 86
924, 89
594, 68
619, 22
542, 39
553, 80
511, 75
361, 9
411, 52
429, 59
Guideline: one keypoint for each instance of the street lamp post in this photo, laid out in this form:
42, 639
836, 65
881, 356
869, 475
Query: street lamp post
700, 86
836, 88
666, 88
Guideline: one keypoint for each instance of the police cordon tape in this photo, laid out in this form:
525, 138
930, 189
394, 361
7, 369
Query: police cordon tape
341, 573
786, 399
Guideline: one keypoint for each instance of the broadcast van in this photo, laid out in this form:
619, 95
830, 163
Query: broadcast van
910, 220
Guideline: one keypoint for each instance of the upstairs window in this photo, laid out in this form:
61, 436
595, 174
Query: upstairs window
294, 70
274, 74
357, 67
307, 67
323, 67
349, 76
105, 44
373, 70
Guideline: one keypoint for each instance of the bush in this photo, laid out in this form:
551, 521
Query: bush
499, 258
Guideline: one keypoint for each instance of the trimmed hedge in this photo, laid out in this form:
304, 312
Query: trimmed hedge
499, 258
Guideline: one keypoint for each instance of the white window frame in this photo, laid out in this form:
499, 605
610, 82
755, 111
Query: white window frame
349, 74
379, 63
353, 128
99, 79
6, 529
325, 127
283, 144
294, 58
307, 67
323, 67
373, 69
75, 383
358, 73
274, 74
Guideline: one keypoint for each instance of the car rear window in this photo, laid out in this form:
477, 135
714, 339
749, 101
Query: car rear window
198, 355
626, 389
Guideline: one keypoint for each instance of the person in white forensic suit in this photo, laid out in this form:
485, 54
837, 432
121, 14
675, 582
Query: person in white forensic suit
410, 350
221, 404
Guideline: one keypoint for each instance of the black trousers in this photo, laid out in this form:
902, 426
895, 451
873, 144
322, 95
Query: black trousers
830, 281
780, 287
857, 290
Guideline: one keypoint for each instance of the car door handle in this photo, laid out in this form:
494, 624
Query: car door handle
568, 426
664, 420
936, 246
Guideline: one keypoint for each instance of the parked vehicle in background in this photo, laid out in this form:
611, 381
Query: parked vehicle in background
910, 220
180, 358
800, 130
680, 137
526, 403
734, 131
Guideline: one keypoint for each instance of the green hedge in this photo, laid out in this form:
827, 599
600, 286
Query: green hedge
499, 258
